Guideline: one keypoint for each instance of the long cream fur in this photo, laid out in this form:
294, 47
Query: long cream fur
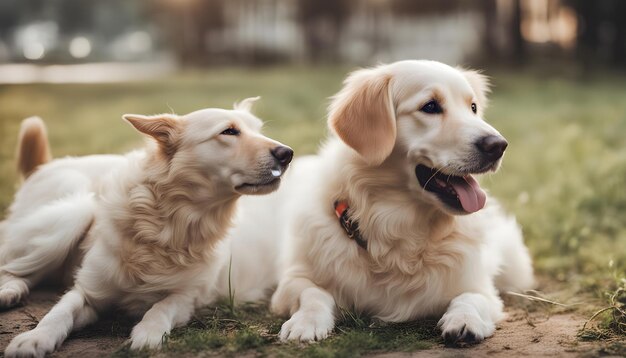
139, 230
422, 258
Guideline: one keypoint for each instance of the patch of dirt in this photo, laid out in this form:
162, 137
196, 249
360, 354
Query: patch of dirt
527, 334
535, 334
100, 339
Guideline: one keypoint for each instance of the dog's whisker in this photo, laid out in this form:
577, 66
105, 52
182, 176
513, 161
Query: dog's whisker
431, 177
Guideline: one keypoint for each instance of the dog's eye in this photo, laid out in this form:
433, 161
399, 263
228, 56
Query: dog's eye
432, 107
231, 131
474, 109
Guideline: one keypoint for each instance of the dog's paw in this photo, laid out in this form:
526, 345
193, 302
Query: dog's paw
306, 326
461, 329
12, 293
9, 297
36, 343
146, 335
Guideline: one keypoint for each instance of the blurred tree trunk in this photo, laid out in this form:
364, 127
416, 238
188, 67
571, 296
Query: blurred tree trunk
75, 16
490, 14
517, 41
322, 22
187, 24
619, 40
9, 17
587, 42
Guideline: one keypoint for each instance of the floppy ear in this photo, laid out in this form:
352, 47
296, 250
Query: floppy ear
363, 116
164, 128
480, 84
246, 104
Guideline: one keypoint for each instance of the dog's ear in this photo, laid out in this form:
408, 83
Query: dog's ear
164, 128
480, 84
363, 115
246, 104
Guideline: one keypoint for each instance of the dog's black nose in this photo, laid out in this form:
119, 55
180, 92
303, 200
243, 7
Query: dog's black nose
282, 154
492, 146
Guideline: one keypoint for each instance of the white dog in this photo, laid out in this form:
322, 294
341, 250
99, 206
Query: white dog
416, 237
141, 227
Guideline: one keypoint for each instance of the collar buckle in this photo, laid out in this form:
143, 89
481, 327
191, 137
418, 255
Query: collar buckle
351, 227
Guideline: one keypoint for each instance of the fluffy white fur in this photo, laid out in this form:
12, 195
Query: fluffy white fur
423, 259
139, 230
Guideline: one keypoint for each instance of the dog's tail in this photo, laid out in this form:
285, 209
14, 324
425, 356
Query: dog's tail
33, 149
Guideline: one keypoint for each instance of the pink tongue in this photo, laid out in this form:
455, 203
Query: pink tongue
471, 195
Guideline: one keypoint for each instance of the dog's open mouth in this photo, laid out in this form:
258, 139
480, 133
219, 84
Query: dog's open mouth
461, 193
259, 188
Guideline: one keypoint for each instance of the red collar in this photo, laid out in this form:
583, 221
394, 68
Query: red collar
351, 227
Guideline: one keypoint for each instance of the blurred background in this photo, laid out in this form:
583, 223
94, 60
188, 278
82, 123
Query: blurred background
172, 34
557, 66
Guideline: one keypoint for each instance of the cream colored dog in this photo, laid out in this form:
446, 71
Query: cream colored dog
426, 240
141, 227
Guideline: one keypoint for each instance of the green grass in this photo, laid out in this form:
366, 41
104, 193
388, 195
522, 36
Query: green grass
251, 327
565, 170
609, 321
564, 177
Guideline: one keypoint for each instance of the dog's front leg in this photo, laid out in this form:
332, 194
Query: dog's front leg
172, 311
470, 318
314, 307
71, 312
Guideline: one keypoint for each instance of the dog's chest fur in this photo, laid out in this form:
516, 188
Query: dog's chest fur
404, 280
160, 243
415, 259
